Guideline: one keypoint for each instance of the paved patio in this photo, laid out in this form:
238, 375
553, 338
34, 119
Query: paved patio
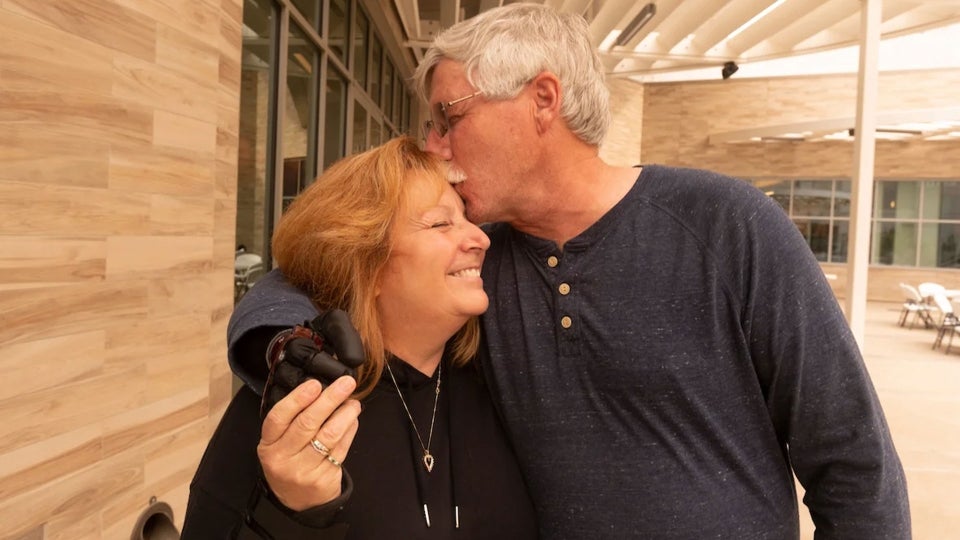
920, 392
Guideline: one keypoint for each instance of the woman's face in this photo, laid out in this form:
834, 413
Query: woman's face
434, 266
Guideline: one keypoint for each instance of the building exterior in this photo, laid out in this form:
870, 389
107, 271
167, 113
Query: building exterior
138, 147
916, 217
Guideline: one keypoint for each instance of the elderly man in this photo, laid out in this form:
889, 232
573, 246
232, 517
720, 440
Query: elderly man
661, 344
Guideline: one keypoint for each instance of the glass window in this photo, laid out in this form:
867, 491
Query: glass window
941, 200
254, 160
894, 243
896, 200
940, 245
817, 235
812, 198
375, 133
300, 115
397, 101
337, 30
335, 119
778, 190
310, 9
819, 208
841, 198
360, 49
840, 237
373, 84
386, 97
359, 128
293, 179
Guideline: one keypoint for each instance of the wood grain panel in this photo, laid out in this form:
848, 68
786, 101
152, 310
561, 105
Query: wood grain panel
61, 211
148, 85
183, 132
74, 527
35, 155
93, 115
118, 136
47, 460
39, 415
191, 56
192, 16
147, 168
134, 427
178, 215
82, 493
36, 50
38, 260
157, 256
64, 360
100, 21
44, 312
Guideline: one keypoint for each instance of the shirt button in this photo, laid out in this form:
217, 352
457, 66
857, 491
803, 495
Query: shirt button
552, 261
564, 289
566, 322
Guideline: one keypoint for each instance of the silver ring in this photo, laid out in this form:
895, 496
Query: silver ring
320, 447
333, 460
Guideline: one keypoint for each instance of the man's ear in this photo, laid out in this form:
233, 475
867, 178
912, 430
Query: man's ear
547, 94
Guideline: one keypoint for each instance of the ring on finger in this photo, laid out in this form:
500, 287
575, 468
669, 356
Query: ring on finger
320, 447
333, 460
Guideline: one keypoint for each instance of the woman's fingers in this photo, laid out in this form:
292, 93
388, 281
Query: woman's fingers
282, 414
297, 419
337, 425
302, 463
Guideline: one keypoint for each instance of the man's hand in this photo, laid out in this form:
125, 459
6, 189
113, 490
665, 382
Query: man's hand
325, 349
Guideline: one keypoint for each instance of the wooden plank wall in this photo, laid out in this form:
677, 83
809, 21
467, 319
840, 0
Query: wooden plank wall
118, 152
679, 117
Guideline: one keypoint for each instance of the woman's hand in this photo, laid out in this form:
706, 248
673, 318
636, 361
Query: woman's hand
305, 438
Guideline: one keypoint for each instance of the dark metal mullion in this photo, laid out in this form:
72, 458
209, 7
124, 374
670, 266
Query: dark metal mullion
275, 204
274, 99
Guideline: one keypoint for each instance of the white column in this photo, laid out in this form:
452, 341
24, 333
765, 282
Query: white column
858, 252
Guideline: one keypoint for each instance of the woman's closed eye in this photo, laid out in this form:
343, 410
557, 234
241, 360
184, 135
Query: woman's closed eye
440, 224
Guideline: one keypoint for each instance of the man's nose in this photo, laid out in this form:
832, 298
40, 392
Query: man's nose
438, 145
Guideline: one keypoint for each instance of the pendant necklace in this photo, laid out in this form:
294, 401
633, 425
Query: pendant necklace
427, 456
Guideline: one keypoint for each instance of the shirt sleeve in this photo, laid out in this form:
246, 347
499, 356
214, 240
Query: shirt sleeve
270, 306
823, 405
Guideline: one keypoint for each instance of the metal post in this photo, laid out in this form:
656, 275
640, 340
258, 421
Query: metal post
858, 251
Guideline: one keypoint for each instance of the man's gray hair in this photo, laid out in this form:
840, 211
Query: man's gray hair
502, 49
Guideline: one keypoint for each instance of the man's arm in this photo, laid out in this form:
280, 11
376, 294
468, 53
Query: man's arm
822, 402
271, 306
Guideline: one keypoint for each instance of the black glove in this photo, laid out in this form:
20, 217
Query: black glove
325, 349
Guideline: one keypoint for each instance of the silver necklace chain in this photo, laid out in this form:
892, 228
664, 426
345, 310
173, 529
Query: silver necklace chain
427, 456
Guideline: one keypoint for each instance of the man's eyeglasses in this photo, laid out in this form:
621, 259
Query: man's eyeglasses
438, 116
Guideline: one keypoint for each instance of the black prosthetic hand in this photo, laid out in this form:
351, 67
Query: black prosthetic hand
324, 349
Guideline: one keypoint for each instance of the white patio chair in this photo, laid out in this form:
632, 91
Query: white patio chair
949, 323
245, 266
914, 304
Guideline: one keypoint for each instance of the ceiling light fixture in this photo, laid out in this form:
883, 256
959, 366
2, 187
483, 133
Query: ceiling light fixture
636, 24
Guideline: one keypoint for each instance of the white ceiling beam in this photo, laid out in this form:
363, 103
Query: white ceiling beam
575, 6
832, 125
804, 27
409, 11
612, 13
449, 13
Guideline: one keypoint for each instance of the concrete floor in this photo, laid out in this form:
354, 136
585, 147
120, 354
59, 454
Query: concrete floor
919, 389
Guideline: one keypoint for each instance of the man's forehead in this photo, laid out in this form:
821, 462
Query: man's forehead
447, 80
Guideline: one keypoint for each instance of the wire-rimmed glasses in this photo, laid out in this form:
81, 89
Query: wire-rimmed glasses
438, 116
